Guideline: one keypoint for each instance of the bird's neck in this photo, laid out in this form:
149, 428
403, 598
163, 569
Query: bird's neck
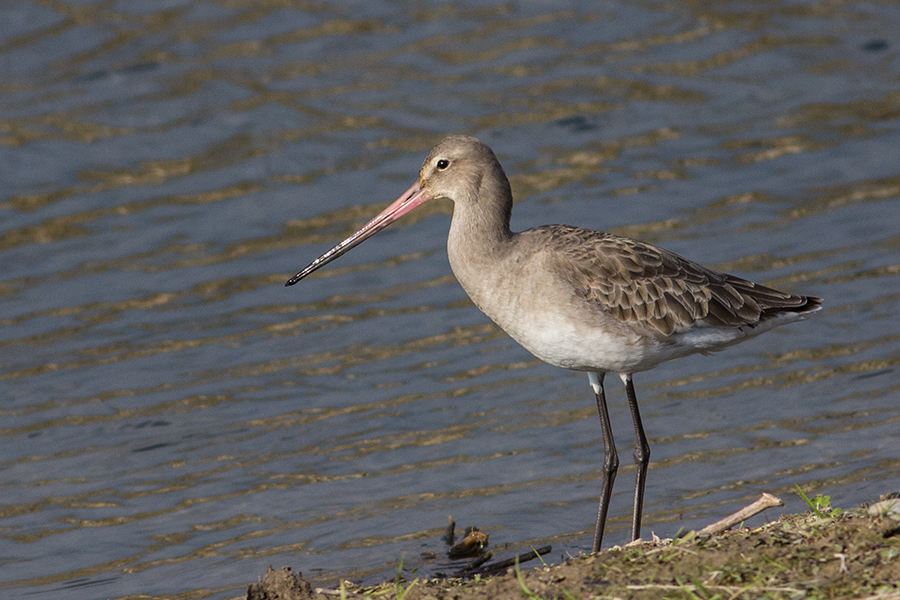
478, 243
480, 226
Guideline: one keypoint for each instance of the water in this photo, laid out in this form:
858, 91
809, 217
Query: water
175, 420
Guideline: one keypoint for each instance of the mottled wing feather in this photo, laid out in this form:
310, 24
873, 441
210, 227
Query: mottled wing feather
642, 284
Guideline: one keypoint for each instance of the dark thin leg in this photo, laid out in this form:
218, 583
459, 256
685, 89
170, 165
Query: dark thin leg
641, 459
610, 458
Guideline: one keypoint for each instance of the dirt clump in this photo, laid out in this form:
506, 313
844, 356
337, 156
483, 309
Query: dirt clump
280, 585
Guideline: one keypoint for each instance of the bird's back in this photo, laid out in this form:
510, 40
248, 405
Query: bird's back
643, 284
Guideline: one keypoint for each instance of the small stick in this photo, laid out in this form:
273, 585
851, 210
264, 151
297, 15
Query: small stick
449, 533
475, 563
765, 501
498, 567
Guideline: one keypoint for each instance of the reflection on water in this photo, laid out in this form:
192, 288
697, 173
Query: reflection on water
175, 420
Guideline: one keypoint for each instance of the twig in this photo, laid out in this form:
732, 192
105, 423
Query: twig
765, 501
449, 533
499, 567
477, 562
330, 592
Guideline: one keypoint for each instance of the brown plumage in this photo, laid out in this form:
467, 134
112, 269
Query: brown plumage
642, 284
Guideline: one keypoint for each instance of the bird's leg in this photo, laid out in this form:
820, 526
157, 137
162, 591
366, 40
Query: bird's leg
610, 458
641, 458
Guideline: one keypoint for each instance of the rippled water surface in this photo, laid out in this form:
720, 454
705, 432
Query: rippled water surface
174, 419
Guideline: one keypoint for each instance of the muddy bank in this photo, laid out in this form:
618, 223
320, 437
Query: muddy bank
823, 554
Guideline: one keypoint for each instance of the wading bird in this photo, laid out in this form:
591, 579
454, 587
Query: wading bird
581, 299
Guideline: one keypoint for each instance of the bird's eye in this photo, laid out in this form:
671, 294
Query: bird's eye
442, 164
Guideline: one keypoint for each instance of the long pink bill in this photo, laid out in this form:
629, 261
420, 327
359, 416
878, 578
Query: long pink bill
410, 199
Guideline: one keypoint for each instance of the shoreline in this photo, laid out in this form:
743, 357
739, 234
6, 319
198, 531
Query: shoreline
823, 553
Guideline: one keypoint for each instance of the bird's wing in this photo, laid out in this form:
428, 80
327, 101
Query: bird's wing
642, 284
